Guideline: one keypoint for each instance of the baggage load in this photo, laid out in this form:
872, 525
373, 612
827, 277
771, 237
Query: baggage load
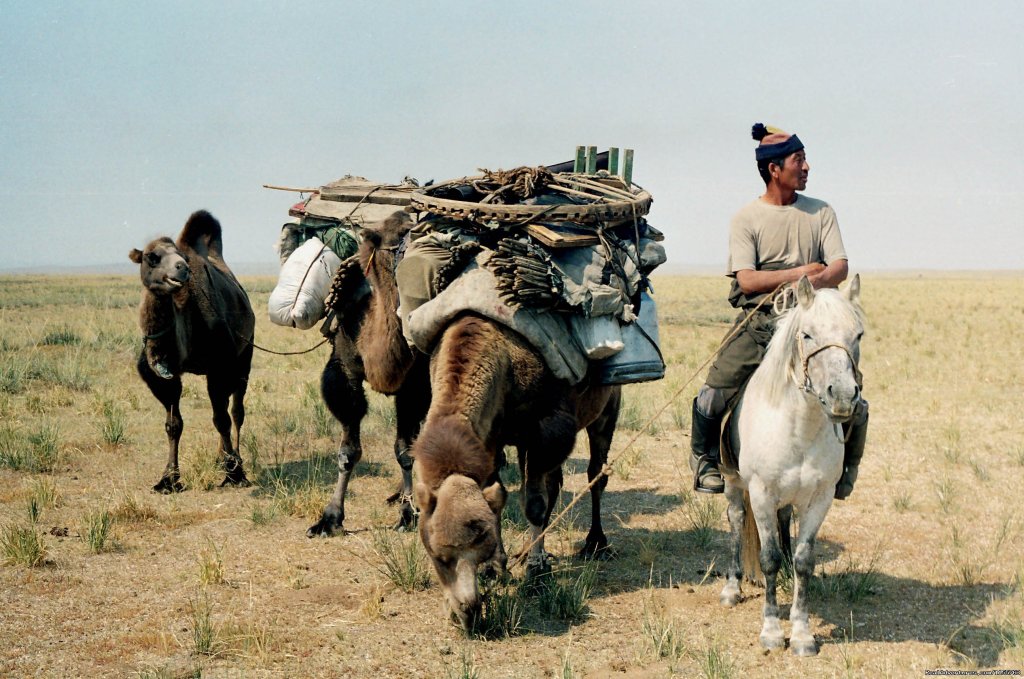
298, 299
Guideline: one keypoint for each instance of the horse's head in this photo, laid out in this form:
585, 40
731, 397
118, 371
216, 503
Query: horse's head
162, 267
460, 531
827, 329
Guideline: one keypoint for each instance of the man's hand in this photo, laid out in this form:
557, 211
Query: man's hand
829, 276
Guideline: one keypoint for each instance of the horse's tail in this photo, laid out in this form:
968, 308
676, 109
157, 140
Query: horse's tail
751, 544
202, 234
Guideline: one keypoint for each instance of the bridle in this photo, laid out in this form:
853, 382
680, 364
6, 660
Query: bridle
808, 388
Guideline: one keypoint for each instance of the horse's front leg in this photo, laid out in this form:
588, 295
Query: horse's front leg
766, 517
731, 593
802, 641
344, 396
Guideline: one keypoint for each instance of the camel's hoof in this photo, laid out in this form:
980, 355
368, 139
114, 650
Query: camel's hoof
168, 485
803, 647
773, 642
236, 480
595, 549
406, 519
537, 570
328, 526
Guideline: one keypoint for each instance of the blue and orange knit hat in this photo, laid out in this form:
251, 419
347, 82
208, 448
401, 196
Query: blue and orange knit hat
774, 142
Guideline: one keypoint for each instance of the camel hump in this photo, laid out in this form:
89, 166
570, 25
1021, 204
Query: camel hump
202, 234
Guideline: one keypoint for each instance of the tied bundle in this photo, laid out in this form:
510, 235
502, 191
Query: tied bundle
521, 182
345, 286
525, 275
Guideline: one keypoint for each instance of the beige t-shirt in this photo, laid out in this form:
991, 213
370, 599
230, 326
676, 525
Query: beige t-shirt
773, 237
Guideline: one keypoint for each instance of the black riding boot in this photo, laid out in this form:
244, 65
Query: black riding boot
705, 434
857, 434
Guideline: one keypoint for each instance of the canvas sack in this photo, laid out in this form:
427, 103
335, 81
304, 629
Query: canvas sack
305, 281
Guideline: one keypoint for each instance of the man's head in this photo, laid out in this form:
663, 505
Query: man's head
780, 158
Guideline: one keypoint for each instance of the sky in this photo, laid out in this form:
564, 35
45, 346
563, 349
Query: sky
118, 119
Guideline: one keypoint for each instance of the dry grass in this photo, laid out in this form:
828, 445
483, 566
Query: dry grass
920, 569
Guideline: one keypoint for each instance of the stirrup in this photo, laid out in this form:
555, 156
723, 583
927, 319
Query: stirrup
706, 476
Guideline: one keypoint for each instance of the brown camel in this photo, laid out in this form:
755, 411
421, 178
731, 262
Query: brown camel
369, 345
490, 388
195, 318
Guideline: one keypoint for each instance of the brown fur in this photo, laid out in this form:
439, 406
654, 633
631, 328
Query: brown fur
490, 388
369, 345
196, 318
386, 356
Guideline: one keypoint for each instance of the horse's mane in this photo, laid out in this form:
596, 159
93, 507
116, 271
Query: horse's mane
776, 370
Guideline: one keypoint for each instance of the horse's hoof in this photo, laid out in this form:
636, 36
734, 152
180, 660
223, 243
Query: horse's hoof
803, 647
168, 485
773, 642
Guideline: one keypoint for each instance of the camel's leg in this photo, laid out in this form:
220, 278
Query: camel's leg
599, 435
168, 392
731, 593
343, 393
766, 517
802, 640
411, 404
219, 390
238, 397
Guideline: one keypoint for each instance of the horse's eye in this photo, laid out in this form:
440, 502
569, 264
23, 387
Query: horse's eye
805, 336
859, 335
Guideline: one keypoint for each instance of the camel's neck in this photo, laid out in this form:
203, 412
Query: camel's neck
164, 320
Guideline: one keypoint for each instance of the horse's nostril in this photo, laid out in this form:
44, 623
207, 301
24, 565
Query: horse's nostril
856, 393
831, 393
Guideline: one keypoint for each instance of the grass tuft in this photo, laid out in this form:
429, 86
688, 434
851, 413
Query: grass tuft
703, 515
503, 608
403, 561
563, 596
96, 531
22, 545
37, 451
112, 424
661, 631
61, 337
211, 565
204, 633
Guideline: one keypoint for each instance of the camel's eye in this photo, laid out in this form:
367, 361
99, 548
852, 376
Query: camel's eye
152, 259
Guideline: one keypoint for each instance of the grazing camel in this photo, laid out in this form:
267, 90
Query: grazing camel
195, 318
369, 345
490, 388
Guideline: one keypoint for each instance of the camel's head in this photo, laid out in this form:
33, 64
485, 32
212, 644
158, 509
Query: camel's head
163, 268
459, 526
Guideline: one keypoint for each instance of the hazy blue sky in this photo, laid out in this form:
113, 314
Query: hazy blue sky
118, 119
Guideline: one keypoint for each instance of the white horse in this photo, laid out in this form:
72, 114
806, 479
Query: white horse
789, 421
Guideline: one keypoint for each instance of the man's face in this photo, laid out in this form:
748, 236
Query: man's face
792, 174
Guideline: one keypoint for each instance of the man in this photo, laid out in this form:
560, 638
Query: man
773, 241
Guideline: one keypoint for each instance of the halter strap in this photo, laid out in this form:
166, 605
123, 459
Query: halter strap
158, 335
806, 358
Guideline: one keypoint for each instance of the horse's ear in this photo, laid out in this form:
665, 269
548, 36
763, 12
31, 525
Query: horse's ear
426, 500
805, 292
853, 289
135, 255
495, 496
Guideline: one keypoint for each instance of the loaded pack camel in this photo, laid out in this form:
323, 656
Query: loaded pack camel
491, 388
195, 318
368, 345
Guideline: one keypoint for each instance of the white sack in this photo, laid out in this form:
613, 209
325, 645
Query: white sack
304, 283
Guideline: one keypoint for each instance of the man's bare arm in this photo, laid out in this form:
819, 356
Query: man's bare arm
831, 276
755, 282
